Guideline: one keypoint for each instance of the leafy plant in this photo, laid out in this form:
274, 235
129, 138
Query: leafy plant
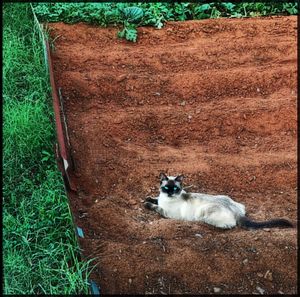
129, 32
131, 17
155, 14
291, 8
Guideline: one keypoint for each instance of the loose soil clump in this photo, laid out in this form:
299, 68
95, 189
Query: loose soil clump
214, 100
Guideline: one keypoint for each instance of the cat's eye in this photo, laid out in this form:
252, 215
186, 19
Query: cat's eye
166, 188
175, 188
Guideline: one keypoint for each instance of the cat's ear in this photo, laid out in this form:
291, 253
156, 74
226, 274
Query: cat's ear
162, 177
179, 178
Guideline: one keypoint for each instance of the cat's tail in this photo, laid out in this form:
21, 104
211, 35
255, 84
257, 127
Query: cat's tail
245, 222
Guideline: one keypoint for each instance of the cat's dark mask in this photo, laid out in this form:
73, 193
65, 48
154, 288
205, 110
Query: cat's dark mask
171, 185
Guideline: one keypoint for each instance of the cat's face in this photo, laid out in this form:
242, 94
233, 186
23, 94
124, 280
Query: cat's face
171, 185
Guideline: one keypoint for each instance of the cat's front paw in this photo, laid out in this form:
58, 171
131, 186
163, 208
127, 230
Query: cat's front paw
152, 200
149, 205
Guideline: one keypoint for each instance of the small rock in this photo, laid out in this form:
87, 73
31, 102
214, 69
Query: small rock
245, 261
260, 274
183, 103
267, 229
280, 292
198, 235
130, 280
260, 290
121, 77
189, 117
217, 290
268, 275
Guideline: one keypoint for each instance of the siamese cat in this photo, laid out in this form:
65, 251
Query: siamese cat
217, 210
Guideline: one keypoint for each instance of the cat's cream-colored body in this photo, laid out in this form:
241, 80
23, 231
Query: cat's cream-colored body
218, 210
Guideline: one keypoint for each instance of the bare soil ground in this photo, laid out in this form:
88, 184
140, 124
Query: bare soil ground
214, 100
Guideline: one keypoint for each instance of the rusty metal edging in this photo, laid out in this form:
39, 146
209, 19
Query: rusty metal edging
62, 149
61, 129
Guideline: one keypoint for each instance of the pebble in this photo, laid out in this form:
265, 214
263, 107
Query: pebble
268, 275
245, 261
260, 274
198, 235
183, 103
260, 290
121, 77
130, 280
217, 290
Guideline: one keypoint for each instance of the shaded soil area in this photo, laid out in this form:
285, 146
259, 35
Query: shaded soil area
214, 100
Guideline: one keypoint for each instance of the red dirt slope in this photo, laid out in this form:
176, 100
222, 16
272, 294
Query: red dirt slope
212, 99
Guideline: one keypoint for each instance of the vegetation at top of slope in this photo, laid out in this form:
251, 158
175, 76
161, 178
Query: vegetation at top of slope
155, 14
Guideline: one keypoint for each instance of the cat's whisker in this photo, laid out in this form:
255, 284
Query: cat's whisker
187, 187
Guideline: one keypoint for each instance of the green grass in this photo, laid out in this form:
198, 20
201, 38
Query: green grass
155, 14
40, 251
